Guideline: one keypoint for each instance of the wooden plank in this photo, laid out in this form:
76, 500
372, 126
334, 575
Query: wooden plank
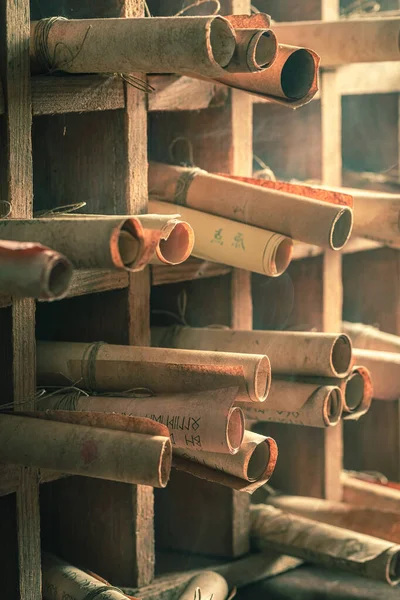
192, 268
57, 95
85, 281
369, 78
175, 93
17, 189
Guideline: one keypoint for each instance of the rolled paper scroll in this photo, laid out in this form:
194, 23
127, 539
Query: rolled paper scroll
205, 585
165, 239
256, 50
62, 580
290, 352
367, 337
111, 368
346, 40
203, 45
103, 446
204, 420
246, 471
357, 391
89, 242
33, 271
298, 403
175, 238
291, 80
385, 372
362, 493
304, 219
371, 521
235, 244
334, 547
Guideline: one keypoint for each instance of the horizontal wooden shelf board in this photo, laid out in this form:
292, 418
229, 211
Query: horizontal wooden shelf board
175, 93
76, 93
354, 245
191, 269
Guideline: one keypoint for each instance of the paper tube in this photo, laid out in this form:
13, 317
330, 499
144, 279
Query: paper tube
346, 40
33, 271
247, 470
206, 585
175, 238
334, 547
298, 403
103, 446
203, 45
371, 521
256, 50
357, 391
363, 493
385, 372
204, 421
111, 368
232, 243
304, 219
290, 352
104, 243
367, 337
62, 581
291, 80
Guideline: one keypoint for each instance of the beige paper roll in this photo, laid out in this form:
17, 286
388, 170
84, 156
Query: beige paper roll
205, 585
233, 243
165, 239
175, 238
111, 368
334, 547
103, 446
371, 521
62, 581
104, 243
367, 337
203, 45
362, 493
385, 372
247, 470
290, 352
346, 40
304, 219
204, 421
298, 403
256, 50
292, 79
33, 271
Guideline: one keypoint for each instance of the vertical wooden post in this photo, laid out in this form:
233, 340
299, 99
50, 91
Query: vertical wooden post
17, 186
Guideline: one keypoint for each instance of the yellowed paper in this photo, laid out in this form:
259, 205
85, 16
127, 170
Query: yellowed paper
385, 372
33, 271
247, 470
371, 521
367, 337
204, 586
90, 444
176, 238
334, 547
304, 219
204, 45
202, 421
290, 352
298, 403
112, 368
62, 581
233, 243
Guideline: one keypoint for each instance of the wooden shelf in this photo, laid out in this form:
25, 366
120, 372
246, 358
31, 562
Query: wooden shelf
302, 250
191, 269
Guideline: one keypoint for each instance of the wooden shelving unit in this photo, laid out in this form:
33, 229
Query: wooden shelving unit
85, 139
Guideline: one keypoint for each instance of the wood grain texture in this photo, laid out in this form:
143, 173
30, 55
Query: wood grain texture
17, 190
176, 93
192, 268
57, 95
